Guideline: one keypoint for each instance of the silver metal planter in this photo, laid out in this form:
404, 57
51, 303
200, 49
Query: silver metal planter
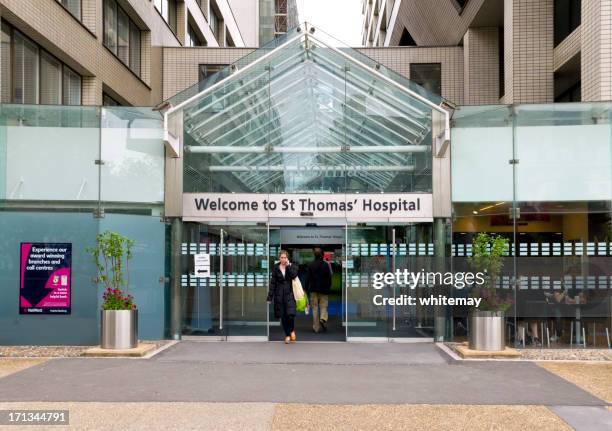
119, 329
487, 330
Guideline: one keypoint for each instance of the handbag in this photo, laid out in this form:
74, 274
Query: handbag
298, 291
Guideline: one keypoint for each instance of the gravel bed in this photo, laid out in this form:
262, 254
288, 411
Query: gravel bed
55, 351
567, 354
557, 354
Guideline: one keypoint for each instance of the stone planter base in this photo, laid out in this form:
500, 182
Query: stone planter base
507, 353
139, 351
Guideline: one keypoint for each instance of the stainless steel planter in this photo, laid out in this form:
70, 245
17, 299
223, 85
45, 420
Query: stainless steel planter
487, 330
119, 329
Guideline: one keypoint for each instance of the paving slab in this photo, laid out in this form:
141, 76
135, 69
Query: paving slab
171, 377
585, 418
304, 353
416, 417
153, 416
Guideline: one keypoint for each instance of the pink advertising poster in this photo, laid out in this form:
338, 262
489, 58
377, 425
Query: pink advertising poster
45, 278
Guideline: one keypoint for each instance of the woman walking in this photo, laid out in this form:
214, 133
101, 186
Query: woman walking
281, 291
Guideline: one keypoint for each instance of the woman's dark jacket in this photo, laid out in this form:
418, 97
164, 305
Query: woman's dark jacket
281, 290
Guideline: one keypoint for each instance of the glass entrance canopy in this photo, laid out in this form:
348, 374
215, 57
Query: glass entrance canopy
302, 115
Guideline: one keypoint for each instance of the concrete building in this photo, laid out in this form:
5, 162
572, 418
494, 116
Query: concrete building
509, 51
230, 153
110, 52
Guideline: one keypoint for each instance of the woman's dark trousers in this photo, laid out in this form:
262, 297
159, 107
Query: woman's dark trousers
288, 323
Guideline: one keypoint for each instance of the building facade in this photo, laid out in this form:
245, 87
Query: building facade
110, 52
514, 51
386, 156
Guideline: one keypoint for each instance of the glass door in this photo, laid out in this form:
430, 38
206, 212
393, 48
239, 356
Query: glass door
372, 251
364, 258
227, 297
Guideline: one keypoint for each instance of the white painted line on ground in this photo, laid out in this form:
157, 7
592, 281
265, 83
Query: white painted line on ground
159, 350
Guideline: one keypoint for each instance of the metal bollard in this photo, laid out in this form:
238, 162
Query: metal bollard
583, 339
608, 336
547, 337
571, 334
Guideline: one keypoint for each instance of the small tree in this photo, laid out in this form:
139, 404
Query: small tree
487, 257
110, 253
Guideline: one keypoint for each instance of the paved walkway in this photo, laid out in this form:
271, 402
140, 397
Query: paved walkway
330, 375
337, 373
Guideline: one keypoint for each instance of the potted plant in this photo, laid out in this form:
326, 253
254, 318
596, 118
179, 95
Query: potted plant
487, 321
119, 315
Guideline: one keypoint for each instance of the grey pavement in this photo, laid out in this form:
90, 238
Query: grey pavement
337, 373
340, 353
585, 418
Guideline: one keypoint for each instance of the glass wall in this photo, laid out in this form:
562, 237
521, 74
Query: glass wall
66, 174
541, 177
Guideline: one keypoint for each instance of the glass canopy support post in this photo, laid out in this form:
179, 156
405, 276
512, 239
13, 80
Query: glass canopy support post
440, 311
176, 232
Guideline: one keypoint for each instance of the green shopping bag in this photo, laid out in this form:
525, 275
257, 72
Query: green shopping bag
301, 304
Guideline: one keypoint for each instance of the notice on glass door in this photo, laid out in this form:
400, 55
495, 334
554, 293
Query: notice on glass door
201, 265
45, 278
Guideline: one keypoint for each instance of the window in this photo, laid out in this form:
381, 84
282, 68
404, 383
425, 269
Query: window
25, 70
167, 9
567, 18
209, 69
572, 94
219, 99
134, 48
110, 25
122, 36
459, 5
428, 76
50, 80
215, 23
501, 62
72, 6
31, 75
230, 41
72, 87
5, 65
109, 101
192, 38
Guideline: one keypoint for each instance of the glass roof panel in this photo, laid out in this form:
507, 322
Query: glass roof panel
303, 116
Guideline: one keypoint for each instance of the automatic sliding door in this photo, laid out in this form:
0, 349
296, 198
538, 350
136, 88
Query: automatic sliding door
372, 251
364, 258
231, 300
245, 280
